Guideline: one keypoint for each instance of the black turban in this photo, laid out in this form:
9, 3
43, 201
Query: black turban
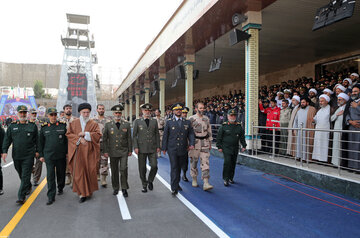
83, 106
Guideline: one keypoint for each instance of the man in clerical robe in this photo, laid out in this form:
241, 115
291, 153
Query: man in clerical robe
83, 151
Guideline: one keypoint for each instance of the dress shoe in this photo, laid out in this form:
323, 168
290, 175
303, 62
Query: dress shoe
174, 192
60, 192
231, 181
185, 178
179, 188
50, 201
20, 201
35, 183
144, 190
151, 186
125, 193
82, 199
115, 192
1, 192
226, 183
28, 191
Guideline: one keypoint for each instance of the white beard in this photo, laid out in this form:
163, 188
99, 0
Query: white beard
84, 119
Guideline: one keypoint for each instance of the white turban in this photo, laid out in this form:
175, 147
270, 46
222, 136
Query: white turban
355, 74
296, 97
342, 88
344, 96
327, 98
328, 91
313, 90
349, 80
280, 93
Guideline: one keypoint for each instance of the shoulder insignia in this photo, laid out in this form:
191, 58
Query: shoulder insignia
44, 124
14, 122
238, 123
62, 122
225, 123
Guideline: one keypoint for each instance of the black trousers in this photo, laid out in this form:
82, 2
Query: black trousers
1, 178
176, 163
55, 168
185, 164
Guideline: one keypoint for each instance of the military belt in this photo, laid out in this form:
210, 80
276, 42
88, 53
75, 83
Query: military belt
202, 137
161, 129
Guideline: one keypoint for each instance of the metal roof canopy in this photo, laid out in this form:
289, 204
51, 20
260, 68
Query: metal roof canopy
77, 19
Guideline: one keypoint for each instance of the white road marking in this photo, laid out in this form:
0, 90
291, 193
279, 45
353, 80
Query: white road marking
192, 208
7, 165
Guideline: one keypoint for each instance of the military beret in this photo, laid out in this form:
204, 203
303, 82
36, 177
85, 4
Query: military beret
146, 106
117, 108
22, 108
232, 112
83, 106
177, 106
185, 109
33, 110
51, 110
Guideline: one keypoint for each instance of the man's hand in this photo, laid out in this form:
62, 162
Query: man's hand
158, 150
243, 149
354, 104
4, 157
136, 150
355, 123
37, 155
340, 113
130, 153
164, 152
294, 133
83, 141
220, 150
42, 159
191, 147
106, 155
210, 146
81, 134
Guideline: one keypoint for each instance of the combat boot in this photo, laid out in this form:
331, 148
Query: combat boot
207, 186
194, 182
103, 181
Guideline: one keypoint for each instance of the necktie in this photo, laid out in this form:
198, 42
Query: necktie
147, 122
118, 125
179, 122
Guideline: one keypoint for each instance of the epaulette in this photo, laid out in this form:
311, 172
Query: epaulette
44, 124
225, 122
62, 122
14, 122
238, 123
169, 119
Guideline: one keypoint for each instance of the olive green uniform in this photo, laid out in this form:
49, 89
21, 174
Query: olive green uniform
117, 143
228, 138
53, 147
38, 164
24, 138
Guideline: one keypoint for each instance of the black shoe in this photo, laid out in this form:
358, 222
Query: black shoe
60, 192
36, 183
185, 178
231, 181
1, 192
179, 188
226, 183
20, 201
28, 192
151, 186
115, 192
50, 201
174, 192
82, 199
125, 193
144, 190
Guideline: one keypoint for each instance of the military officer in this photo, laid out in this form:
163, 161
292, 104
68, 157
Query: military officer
161, 125
146, 145
37, 168
229, 135
101, 119
2, 135
177, 140
185, 166
24, 137
118, 145
68, 118
203, 139
53, 149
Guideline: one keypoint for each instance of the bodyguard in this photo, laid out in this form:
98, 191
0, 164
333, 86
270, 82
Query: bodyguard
53, 150
227, 141
146, 145
38, 164
118, 145
24, 137
177, 140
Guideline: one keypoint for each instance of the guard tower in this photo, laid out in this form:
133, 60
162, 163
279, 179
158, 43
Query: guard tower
76, 81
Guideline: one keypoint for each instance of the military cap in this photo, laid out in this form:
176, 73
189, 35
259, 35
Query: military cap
146, 106
33, 110
226, 105
232, 112
185, 109
51, 110
83, 106
22, 108
177, 106
266, 101
117, 108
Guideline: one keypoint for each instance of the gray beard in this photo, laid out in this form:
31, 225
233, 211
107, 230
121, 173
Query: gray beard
85, 119
22, 118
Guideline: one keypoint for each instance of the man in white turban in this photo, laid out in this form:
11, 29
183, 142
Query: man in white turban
322, 121
291, 144
355, 79
337, 117
313, 98
339, 89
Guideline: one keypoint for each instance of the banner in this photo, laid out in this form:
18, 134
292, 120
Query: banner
77, 90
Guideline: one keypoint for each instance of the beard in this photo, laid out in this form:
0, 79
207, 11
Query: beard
117, 118
68, 113
85, 119
232, 120
201, 112
303, 107
33, 118
354, 97
101, 114
22, 119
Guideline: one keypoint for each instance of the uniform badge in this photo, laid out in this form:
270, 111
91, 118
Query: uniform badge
60, 136
28, 134
173, 128
186, 127
140, 127
124, 130
112, 132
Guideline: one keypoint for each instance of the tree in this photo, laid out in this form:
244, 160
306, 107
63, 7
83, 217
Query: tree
38, 89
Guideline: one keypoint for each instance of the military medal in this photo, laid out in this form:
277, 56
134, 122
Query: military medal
124, 130
173, 128
28, 134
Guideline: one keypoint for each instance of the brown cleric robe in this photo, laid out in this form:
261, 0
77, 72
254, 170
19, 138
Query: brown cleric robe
82, 163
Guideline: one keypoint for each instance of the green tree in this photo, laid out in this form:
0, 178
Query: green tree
38, 89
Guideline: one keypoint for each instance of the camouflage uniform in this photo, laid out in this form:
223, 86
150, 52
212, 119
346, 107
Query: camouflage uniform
38, 164
103, 162
161, 126
68, 173
203, 138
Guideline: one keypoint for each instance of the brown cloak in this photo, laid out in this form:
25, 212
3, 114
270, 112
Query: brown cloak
82, 164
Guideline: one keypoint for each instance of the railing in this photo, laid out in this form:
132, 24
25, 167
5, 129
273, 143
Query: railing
334, 148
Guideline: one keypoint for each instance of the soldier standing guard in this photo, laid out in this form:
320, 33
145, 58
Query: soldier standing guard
227, 141
103, 162
24, 137
37, 168
203, 138
185, 166
68, 118
53, 150
118, 145
146, 145
161, 125
177, 140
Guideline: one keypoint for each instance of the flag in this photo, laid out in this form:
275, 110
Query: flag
24, 92
12, 89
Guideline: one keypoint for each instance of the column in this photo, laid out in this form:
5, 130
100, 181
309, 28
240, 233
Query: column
162, 78
189, 89
137, 99
126, 109
130, 108
252, 27
147, 86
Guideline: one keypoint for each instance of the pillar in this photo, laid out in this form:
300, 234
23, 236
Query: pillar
130, 108
137, 99
252, 27
162, 78
189, 69
147, 86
